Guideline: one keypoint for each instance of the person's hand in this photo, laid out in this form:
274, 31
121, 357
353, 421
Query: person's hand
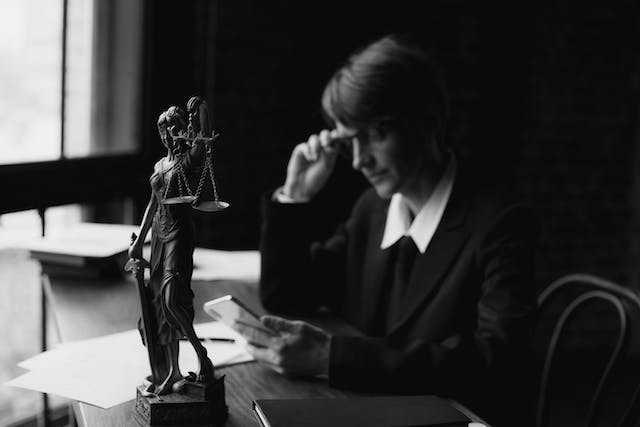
301, 349
310, 166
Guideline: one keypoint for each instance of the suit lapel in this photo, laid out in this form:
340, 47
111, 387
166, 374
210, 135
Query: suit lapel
446, 243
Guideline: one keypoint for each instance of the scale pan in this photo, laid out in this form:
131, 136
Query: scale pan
178, 200
211, 205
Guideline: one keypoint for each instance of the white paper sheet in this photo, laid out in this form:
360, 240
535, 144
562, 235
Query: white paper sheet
105, 371
213, 264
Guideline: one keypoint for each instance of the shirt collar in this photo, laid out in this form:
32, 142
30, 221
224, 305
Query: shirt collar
425, 223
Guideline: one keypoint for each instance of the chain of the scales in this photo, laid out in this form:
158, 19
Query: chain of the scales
199, 122
209, 205
197, 133
183, 183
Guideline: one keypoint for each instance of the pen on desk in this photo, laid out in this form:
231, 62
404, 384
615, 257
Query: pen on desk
229, 340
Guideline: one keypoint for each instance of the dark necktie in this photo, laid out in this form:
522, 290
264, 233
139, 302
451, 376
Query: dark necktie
405, 257
407, 252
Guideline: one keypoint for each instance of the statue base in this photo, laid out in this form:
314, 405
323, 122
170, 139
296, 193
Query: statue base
196, 405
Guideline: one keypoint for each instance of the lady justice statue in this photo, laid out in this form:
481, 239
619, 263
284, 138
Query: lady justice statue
167, 298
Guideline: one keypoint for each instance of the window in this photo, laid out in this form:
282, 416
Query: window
57, 152
30, 80
102, 73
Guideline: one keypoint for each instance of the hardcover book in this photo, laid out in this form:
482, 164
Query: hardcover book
360, 411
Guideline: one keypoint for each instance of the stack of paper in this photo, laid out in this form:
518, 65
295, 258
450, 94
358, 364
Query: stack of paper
74, 244
83, 240
105, 371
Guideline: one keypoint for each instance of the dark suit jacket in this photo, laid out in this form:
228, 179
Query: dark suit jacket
468, 308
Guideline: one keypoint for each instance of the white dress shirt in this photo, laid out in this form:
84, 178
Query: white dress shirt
425, 223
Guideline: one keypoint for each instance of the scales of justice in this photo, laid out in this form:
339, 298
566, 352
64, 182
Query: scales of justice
181, 181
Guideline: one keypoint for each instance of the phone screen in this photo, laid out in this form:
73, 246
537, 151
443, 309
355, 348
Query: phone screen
233, 313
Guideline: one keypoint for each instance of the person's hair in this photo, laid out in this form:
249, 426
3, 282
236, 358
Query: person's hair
391, 81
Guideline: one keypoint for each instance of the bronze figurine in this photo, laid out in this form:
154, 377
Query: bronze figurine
167, 298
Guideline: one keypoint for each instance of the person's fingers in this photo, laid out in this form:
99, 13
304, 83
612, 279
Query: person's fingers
326, 141
279, 324
242, 328
314, 147
302, 149
279, 369
270, 358
264, 354
276, 323
256, 335
261, 354
314, 331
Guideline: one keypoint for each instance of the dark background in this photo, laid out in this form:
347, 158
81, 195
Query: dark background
544, 93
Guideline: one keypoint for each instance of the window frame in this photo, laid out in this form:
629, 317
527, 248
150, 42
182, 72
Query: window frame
90, 179
40, 185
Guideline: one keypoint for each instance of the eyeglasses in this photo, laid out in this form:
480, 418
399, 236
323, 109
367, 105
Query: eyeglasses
371, 137
344, 144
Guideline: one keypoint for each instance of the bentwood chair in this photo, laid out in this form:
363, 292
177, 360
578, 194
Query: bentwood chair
590, 373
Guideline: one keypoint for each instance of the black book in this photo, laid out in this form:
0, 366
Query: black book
381, 411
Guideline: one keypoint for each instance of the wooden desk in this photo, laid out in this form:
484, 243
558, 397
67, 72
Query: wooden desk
85, 309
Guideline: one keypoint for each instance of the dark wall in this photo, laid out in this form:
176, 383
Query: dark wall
545, 95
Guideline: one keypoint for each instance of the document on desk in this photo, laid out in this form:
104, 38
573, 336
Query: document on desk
105, 371
214, 264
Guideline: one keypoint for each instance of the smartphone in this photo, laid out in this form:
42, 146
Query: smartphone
235, 314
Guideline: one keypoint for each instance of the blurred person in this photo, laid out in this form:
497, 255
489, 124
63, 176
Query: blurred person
433, 266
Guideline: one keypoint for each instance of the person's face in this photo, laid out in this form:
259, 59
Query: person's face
388, 159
